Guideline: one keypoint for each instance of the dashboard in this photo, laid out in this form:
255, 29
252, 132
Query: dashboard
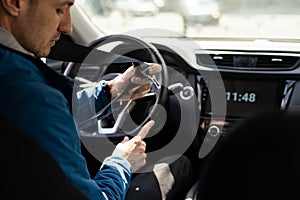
216, 84
234, 79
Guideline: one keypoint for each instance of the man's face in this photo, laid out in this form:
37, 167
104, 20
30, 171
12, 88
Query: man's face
40, 24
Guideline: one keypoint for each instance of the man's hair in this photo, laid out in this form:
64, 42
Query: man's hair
1, 6
31, 1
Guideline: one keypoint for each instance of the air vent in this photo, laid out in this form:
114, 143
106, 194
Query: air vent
281, 62
215, 60
248, 61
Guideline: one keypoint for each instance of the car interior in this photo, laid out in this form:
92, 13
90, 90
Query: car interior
227, 97
257, 160
36, 172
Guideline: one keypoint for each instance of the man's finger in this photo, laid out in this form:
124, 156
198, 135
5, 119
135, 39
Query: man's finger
145, 130
154, 68
125, 139
140, 80
128, 74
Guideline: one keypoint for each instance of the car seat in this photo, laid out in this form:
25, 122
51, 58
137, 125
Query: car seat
28, 171
259, 159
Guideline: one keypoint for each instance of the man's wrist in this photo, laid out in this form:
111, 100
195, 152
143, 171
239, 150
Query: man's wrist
106, 86
110, 83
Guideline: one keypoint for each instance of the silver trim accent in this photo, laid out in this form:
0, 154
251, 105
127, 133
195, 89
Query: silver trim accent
218, 131
190, 89
289, 86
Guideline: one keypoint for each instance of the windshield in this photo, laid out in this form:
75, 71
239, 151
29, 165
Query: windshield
257, 19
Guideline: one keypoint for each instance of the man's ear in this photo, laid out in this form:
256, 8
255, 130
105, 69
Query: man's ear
11, 7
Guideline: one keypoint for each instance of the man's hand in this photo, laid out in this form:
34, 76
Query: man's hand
119, 84
134, 150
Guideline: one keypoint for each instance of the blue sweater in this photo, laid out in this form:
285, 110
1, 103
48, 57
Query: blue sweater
38, 99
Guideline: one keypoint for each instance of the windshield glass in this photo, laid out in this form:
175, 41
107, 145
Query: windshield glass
263, 19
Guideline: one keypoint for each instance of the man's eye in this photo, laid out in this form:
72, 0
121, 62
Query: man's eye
59, 11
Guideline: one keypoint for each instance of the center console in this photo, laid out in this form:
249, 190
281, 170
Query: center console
244, 97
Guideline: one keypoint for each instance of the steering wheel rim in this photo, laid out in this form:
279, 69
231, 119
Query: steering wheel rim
153, 55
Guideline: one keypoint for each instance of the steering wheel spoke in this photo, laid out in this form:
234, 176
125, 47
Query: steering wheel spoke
119, 118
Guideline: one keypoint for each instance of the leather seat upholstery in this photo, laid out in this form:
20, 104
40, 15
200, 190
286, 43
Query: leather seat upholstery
28, 171
259, 159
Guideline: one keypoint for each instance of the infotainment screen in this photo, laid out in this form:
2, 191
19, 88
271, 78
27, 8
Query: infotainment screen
244, 97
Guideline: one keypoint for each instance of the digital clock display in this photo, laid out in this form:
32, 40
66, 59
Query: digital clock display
246, 96
241, 97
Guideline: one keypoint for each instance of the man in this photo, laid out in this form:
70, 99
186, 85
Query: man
36, 97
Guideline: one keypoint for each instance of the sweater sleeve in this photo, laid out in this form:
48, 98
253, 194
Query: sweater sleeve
112, 168
87, 103
43, 112
57, 132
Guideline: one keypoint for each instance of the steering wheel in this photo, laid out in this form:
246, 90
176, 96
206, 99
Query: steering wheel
127, 117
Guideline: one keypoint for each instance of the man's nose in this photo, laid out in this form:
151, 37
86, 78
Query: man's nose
65, 25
